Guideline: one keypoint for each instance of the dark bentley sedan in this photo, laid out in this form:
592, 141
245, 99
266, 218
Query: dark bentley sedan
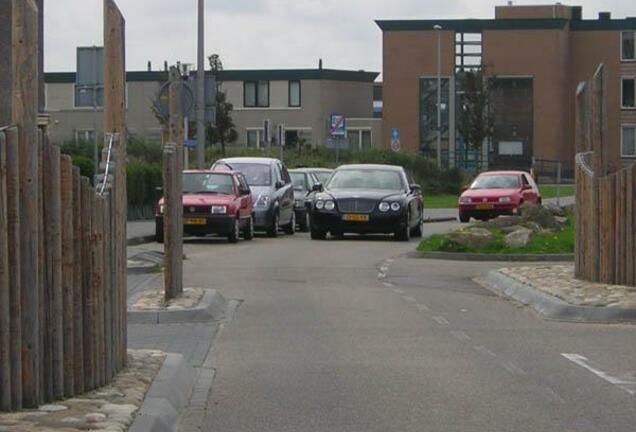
367, 199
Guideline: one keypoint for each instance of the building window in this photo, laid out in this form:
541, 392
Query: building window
628, 142
365, 141
294, 93
84, 96
84, 135
255, 138
256, 94
628, 47
628, 93
359, 138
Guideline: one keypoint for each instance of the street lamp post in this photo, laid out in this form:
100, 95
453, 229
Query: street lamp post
438, 28
200, 91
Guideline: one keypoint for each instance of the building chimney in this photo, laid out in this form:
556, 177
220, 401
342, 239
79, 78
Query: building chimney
165, 65
149, 66
604, 16
320, 64
577, 13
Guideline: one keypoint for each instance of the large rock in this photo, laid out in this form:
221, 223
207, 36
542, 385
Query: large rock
556, 210
539, 215
519, 238
472, 237
506, 221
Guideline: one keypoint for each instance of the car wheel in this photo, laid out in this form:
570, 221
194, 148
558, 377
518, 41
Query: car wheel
273, 229
318, 235
464, 218
418, 230
158, 233
305, 224
404, 234
236, 231
248, 232
291, 228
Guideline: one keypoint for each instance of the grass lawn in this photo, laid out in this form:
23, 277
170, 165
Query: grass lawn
561, 242
451, 201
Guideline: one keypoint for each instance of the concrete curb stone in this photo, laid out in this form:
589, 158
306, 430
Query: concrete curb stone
461, 256
136, 241
211, 308
167, 397
552, 307
439, 219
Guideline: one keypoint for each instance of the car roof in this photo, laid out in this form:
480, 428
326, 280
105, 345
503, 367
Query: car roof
490, 173
370, 166
208, 172
254, 160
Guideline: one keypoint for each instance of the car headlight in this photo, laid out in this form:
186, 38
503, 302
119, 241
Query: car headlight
218, 209
396, 206
263, 201
330, 205
465, 200
505, 200
384, 207
320, 205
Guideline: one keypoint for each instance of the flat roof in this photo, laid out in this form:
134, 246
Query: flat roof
239, 75
478, 25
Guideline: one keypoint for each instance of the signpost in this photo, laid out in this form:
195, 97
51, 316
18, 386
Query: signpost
337, 133
396, 145
281, 139
267, 132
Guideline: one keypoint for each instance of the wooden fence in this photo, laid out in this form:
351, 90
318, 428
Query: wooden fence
80, 310
605, 196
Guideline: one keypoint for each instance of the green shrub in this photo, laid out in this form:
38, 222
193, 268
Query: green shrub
143, 180
143, 150
86, 166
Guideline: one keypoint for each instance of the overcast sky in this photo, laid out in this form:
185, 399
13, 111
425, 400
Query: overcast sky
260, 34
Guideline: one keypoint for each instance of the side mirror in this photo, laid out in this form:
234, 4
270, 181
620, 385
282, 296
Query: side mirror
415, 188
279, 184
245, 192
317, 187
526, 187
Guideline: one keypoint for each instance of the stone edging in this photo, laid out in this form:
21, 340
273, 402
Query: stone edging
211, 308
462, 256
167, 397
552, 307
136, 241
439, 219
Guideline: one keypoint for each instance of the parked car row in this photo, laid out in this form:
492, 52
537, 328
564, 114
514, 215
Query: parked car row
239, 196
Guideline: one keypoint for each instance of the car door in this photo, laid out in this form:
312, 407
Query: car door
414, 200
245, 206
287, 193
530, 195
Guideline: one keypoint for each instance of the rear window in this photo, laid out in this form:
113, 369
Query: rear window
496, 182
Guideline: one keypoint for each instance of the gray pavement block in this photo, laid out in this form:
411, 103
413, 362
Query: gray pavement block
462, 256
552, 307
211, 308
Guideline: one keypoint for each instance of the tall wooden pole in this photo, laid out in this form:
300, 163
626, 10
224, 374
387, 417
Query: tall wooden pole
5, 311
200, 91
68, 273
6, 65
25, 109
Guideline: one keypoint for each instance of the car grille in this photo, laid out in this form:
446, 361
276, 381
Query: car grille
196, 210
356, 205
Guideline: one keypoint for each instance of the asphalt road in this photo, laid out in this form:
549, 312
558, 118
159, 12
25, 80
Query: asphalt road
331, 336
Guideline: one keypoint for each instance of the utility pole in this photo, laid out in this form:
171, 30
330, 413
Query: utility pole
200, 90
438, 28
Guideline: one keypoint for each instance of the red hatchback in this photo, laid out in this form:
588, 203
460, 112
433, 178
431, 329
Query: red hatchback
497, 193
213, 203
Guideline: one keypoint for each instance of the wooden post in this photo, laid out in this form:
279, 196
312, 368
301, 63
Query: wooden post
6, 66
108, 291
78, 316
13, 238
68, 269
88, 314
25, 109
115, 122
5, 310
97, 286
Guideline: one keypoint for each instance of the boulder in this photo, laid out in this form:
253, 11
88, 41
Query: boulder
506, 221
556, 210
472, 237
510, 229
535, 227
519, 238
561, 220
539, 215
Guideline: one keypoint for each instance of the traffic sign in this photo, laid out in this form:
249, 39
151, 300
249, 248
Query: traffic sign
162, 103
190, 143
395, 140
337, 125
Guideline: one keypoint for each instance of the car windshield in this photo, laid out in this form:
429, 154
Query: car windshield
299, 180
199, 183
255, 174
322, 176
496, 182
366, 179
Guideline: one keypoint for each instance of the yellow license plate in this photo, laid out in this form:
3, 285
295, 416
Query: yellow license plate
485, 206
355, 218
195, 221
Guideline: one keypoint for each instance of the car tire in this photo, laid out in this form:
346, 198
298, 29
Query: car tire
464, 218
248, 232
318, 235
418, 231
158, 233
404, 234
273, 229
236, 231
305, 224
291, 228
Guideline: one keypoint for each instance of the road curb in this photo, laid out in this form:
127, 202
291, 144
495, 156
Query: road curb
462, 256
211, 308
440, 219
136, 241
552, 307
167, 397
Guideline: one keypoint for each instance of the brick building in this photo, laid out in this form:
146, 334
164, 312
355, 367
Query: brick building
535, 57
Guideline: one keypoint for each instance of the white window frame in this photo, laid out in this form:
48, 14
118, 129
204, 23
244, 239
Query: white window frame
632, 60
82, 133
259, 137
99, 107
623, 79
628, 126
359, 131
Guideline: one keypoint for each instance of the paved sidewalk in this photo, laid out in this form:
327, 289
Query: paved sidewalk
138, 229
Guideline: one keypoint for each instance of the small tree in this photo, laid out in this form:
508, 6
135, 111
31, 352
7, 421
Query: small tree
224, 131
476, 117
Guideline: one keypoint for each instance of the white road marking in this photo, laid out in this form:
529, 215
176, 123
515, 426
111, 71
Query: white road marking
440, 320
398, 291
513, 368
628, 385
388, 284
409, 299
483, 350
422, 307
460, 335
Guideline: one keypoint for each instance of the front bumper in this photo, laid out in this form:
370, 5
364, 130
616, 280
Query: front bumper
214, 224
474, 210
263, 218
378, 223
